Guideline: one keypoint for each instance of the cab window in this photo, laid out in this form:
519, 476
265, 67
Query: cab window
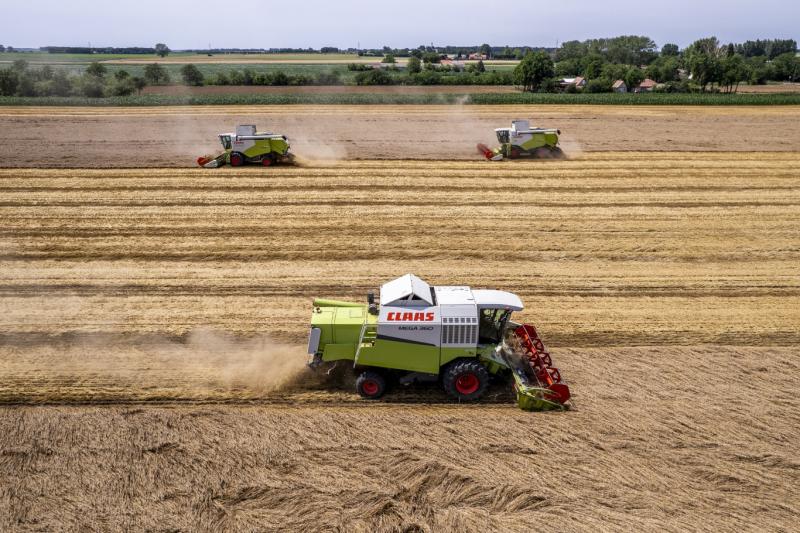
491, 326
226, 141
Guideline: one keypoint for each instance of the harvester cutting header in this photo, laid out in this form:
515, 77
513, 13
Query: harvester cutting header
455, 335
246, 145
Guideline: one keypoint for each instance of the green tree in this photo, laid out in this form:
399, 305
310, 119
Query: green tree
414, 65
373, 77
96, 70
670, 49
486, 50
388, 58
431, 58
191, 75
121, 75
9, 80
600, 85
162, 49
787, 67
593, 66
760, 71
139, 84
123, 87
20, 65
61, 84
569, 68
533, 70
703, 60
479, 66
155, 74
633, 77
93, 87
575, 50
280, 78
614, 72
733, 71
664, 69
26, 85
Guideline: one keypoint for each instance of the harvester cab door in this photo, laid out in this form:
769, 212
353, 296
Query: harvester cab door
226, 141
503, 136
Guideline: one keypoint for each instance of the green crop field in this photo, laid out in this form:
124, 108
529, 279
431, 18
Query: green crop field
411, 99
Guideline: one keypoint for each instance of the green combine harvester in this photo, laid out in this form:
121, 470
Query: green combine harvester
453, 335
247, 145
522, 141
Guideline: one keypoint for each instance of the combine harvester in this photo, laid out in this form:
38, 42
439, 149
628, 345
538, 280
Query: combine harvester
522, 141
454, 335
249, 146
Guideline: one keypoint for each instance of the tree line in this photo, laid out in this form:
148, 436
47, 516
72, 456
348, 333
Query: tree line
704, 65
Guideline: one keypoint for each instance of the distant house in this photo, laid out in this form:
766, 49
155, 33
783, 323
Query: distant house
646, 86
619, 87
476, 57
578, 82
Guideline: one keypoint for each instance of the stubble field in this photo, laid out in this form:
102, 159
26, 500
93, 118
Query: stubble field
151, 323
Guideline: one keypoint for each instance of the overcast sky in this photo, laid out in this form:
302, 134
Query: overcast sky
407, 23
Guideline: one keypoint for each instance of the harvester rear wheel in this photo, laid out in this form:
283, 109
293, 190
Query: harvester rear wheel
465, 380
237, 159
370, 385
267, 160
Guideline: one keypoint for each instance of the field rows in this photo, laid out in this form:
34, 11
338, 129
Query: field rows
703, 252
136, 303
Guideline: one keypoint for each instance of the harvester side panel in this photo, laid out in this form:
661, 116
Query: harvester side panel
401, 355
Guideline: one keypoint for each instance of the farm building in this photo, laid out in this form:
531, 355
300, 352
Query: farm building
646, 86
619, 87
578, 82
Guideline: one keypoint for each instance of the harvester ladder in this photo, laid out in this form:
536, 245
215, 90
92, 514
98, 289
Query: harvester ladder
368, 332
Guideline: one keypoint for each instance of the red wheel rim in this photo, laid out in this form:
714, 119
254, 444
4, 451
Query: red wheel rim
467, 383
370, 387
236, 160
266, 161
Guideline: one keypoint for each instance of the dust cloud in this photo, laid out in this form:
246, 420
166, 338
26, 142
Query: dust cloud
203, 364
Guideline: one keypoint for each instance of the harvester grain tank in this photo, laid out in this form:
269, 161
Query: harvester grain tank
246, 145
522, 141
454, 335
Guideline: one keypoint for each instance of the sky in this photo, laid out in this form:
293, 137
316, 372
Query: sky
184, 24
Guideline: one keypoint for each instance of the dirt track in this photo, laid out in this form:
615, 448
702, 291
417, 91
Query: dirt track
665, 284
175, 136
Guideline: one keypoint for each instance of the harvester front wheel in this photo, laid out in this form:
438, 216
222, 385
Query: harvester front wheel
465, 380
370, 385
237, 159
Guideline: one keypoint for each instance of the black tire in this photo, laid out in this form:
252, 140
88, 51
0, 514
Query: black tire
465, 380
370, 385
236, 159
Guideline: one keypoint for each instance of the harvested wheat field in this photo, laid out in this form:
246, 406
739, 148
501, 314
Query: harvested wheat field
152, 322
136, 137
